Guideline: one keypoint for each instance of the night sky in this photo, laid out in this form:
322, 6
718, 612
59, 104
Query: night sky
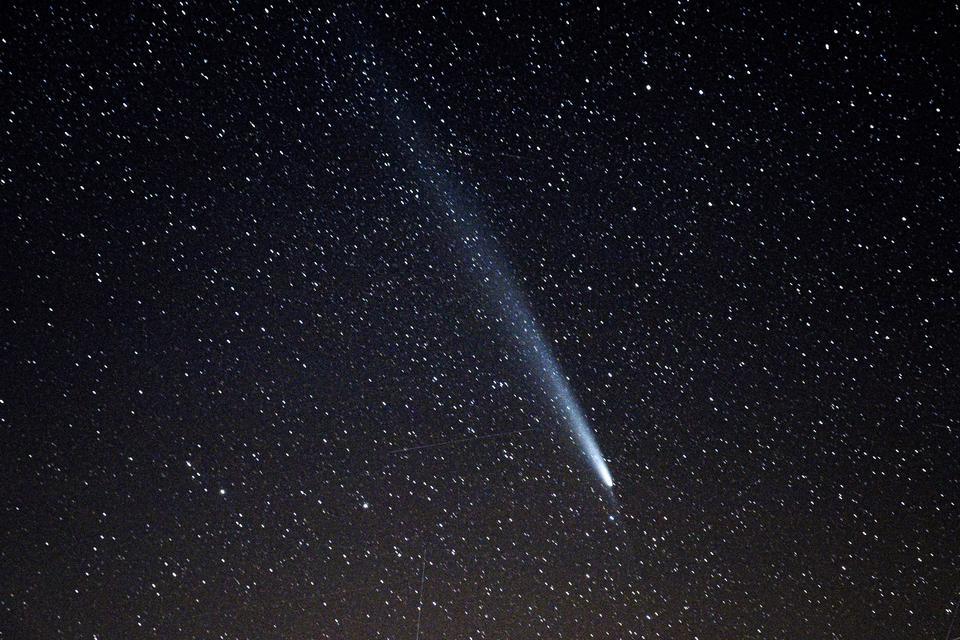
325, 322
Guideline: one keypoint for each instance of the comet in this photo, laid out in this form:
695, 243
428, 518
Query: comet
494, 274
496, 278
542, 360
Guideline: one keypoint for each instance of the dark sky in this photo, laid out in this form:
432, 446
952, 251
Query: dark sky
250, 253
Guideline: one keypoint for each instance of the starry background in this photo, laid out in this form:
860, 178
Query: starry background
230, 297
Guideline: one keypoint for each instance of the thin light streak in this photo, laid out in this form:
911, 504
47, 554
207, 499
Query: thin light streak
445, 443
423, 578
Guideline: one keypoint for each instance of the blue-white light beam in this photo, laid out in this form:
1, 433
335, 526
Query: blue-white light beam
537, 353
540, 357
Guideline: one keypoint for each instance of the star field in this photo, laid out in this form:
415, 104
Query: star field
305, 307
